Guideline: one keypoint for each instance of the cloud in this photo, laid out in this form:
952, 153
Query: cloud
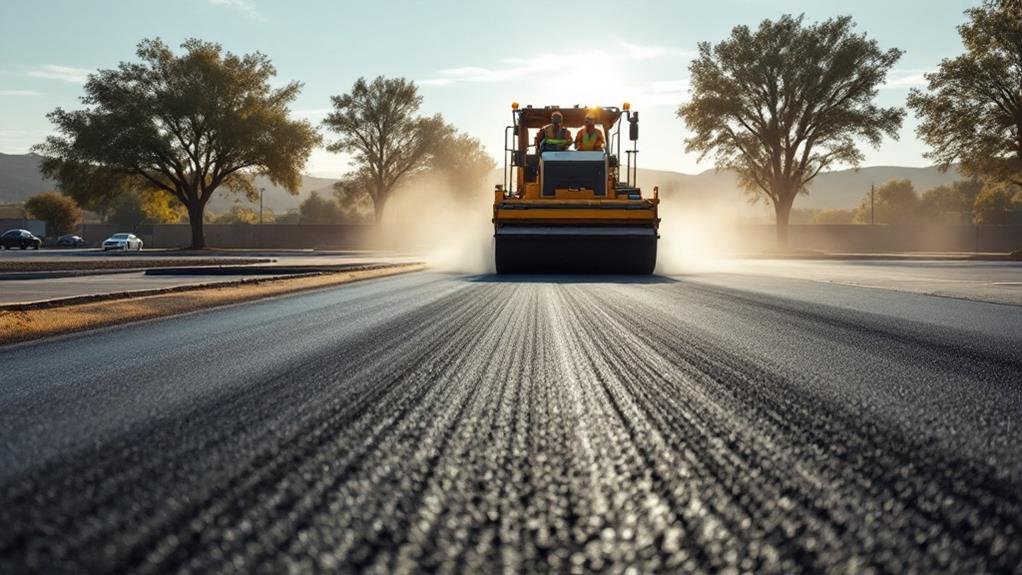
311, 113
65, 73
516, 67
512, 68
898, 79
19, 93
640, 52
245, 7
20, 141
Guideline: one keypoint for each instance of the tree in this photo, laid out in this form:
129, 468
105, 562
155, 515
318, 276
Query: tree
159, 207
125, 211
95, 188
995, 201
60, 212
971, 112
377, 124
244, 215
188, 125
459, 162
834, 216
353, 197
319, 210
464, 162
782, 103
132, 209
954, 200
893, 203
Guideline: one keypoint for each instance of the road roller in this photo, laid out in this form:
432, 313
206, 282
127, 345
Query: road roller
573, 211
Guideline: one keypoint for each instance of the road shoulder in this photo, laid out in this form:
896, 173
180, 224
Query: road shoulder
19, 323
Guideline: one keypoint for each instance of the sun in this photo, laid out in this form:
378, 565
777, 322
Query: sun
592, 80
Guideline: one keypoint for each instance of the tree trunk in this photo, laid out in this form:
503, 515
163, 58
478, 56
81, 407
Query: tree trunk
782, 213
378, 210
195, 220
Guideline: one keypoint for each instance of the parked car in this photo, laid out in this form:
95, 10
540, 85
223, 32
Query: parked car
124, 242
70, 241
23, 239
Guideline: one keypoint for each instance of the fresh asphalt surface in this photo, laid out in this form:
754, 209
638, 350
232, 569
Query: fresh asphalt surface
428, 421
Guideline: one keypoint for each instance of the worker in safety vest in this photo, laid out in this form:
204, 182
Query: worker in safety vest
553, 137
589, 138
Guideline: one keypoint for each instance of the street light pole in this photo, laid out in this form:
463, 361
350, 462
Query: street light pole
261, 190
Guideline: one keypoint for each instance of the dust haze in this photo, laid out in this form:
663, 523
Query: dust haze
452, 229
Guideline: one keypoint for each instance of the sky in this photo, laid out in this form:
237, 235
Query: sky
469, 59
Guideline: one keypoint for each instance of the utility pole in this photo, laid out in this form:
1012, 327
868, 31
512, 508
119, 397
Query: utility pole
872, 189
261, 190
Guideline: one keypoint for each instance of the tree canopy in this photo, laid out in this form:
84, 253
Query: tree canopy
893, 202
996, 201
377, 123
971, 111
186, 124
132, 209
781, 103
60, 212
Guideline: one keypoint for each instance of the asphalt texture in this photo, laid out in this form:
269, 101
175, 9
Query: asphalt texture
438, 422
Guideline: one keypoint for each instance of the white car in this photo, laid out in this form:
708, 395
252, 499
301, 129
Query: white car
124, 242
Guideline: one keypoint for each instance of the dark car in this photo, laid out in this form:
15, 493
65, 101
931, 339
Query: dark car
70, 241
23, 239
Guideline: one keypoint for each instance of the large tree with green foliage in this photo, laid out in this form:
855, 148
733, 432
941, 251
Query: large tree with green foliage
60, 212
894, 202
319, 210
996, 202
955, 200
781, 103
378, 124
187, 124
971, 112
460, 162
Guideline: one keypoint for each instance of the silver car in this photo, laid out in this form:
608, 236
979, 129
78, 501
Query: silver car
123, 242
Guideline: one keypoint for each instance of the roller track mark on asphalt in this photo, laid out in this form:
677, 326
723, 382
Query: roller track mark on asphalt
972, 485
394, 403
550, 426
240, 403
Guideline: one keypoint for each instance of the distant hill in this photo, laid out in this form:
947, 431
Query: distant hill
20, 178
275, 198
837, 189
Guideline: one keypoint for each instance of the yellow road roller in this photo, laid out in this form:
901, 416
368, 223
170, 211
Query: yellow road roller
567, 206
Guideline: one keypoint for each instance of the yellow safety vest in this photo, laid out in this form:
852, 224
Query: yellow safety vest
588, 141
555, 137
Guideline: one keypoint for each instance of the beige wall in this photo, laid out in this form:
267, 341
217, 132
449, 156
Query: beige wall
280, 236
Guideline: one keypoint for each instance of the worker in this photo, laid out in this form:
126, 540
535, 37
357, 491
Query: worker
553, 137
589, 138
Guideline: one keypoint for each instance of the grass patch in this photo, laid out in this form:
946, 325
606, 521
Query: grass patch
18, 325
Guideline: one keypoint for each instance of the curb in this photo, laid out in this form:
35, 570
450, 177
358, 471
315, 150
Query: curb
95, 298
260, 270
64, 274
